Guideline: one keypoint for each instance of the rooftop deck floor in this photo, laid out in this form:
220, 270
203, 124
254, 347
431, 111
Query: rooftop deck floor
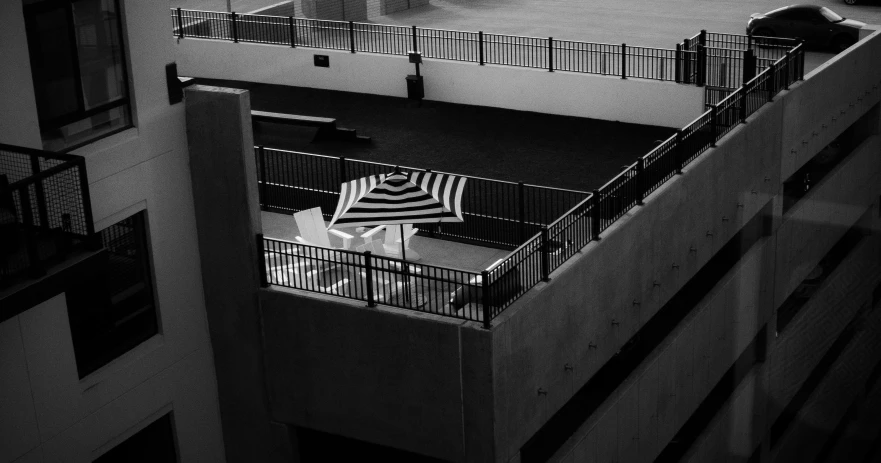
538, 149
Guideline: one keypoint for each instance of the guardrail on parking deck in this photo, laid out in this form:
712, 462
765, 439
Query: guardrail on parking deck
536, 257
476, 47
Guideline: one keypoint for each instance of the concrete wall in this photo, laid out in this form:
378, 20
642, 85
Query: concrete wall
142, 168
18, 126
582, 95
336, 10
417, 382
670, 384
224, 184
700, 210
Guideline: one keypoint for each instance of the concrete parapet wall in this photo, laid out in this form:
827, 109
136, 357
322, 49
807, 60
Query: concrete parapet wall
336, 10
605, 295
393, 377
635, 101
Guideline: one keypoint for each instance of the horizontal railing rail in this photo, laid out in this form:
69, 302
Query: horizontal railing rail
550, 225
45, 209
375, 279
675, 65
497, 213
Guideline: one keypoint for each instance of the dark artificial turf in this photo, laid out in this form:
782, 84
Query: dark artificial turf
535, 148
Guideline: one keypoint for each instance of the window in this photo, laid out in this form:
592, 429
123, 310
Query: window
153, 444
78, 68
114, 311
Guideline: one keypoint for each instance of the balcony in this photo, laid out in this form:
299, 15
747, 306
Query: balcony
45, 216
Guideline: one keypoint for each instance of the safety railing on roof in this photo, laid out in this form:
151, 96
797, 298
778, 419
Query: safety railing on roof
45, 210
477, 47
497, 213
533, 261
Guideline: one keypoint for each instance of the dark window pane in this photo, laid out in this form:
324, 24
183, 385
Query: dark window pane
100, 51
114, 310
52, 62
153, 444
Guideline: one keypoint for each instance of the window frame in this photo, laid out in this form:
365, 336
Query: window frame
80, 113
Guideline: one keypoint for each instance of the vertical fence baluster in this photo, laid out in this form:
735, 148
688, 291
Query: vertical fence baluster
235, 28
368, 267
480, 44
550, 54
262, 180
415, 44
772, 75
352, 36
714, 128
623, 60
180, 24
677, 64
640, 181
487, 298
596, 216
292, 31
35, 268
679, 152
545, 255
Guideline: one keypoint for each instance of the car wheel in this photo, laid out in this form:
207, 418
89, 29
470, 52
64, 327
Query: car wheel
842, 42
850, 2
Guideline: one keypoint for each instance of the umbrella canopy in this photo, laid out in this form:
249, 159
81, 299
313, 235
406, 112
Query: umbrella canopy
398, 198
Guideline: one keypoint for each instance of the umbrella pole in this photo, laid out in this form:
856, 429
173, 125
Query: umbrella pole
403, 250
406, 268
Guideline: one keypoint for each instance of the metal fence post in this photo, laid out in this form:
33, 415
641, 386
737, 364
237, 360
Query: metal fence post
480, 44
686, 62
235, 27
640, 180
180, 24
368, 266
786, 62
415, 44
678, 152
701, 65
352, 36
261, 261
743, 99
262, 180
521, 211
342, 170
40, 194
623, 60
771, 86
550, 54
35, 269
595, 216
749, 66
703, 37
677, 63
487, 298
87, 206
545, 255
714, 129
292, 31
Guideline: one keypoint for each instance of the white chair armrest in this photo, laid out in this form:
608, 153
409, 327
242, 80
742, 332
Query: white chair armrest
372, 232
408, 235
347, 238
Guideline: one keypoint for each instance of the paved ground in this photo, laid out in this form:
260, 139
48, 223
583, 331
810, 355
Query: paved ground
540, 149
652, 23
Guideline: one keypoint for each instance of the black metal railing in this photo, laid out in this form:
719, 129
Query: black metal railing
497, 213
675, 65
45, 210
375, 279
294, 181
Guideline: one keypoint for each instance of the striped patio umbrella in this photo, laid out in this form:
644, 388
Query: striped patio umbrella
398, 198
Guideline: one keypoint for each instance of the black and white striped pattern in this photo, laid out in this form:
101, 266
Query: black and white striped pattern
397, 198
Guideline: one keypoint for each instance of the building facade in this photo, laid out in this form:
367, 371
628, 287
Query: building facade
104, 349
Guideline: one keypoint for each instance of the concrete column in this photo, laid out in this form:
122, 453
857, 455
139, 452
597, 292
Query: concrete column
223, 170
